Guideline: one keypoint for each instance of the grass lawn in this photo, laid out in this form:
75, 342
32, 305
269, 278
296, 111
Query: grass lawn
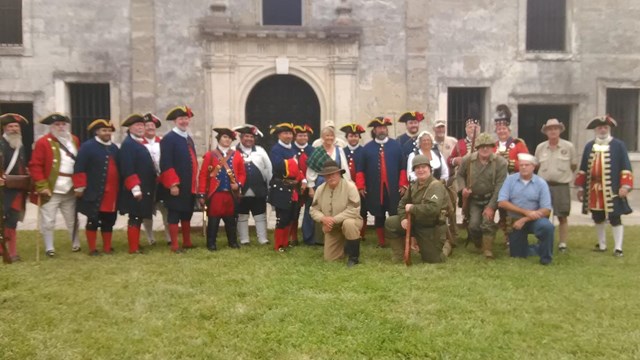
254, 303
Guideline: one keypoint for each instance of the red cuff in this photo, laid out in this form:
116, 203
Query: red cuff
403, 178
79, 180
132, 181
581, 178
626, 178
360, 183
169, 178
291, 169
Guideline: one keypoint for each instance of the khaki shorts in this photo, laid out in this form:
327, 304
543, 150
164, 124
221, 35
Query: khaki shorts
560, 199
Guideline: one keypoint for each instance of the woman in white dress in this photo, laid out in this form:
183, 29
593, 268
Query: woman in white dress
439, 167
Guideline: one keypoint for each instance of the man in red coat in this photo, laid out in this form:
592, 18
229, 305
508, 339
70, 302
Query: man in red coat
51, 168
96, 181
14, 163
221, 176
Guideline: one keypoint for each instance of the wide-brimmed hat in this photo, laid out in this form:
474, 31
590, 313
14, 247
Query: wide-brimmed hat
55, 117
132, 119
302, 129
380, 121
352, 129
552, 123
100, 124
282, 127
601, 120
411, 115
224, 131
330, 167
179, 111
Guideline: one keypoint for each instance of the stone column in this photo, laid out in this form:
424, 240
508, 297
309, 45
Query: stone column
143, 56
418, 93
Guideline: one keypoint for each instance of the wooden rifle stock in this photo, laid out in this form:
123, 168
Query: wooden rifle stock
407, 242
465, 199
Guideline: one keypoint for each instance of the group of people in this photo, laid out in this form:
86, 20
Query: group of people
423, 175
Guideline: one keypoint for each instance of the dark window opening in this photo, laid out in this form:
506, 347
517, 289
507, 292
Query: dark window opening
88, 103
282, 12
25, 109
546, 25
10, 22
622, 105
532, 117
462, 104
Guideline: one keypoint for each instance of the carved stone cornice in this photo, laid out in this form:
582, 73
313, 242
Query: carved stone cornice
212, 28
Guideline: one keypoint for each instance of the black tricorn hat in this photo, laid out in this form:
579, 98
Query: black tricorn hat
601, 120
132, 119
225, 131
51, 118
179, 111
99, 124
353, 129
248, 129
149, 117
10, 118
380, 121
411, 115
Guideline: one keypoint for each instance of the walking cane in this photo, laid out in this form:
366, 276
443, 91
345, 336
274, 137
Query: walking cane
38, 227
407, 242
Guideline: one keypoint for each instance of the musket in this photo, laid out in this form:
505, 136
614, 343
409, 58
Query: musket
407, 242
205, 207
465, 199
6, 257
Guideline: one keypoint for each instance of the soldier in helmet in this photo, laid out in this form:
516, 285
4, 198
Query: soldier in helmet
480, 177
427, 200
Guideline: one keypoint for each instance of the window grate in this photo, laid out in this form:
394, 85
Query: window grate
546, 25
282, 12
88, 103
463, 103
10, 23
622, 105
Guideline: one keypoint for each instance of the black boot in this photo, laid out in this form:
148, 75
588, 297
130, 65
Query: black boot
212, 232
352, 248
231, 228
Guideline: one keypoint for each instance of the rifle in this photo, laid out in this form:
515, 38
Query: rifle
465, 199
407, 242
6, 257
205, 207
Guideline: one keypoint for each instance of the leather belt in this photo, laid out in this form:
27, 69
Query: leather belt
65, 174
553, 183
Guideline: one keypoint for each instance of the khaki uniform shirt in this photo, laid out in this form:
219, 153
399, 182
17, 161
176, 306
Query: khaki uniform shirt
486, 180
341, 203
557, 165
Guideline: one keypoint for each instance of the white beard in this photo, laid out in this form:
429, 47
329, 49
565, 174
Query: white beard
14, 140
62, 135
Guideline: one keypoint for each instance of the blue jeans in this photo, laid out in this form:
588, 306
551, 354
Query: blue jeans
543, 229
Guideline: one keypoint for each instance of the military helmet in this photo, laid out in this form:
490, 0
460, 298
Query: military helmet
419, 160
484, 139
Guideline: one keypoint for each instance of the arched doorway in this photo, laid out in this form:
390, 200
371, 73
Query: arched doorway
282, 98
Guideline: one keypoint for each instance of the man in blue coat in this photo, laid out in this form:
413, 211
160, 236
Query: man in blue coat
381, 176
412, 120
286, 183
138, 173
96, 183
178, 174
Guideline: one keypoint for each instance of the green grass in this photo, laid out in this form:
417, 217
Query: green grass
257, 304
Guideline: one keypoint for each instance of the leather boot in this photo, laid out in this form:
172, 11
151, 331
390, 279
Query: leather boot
487, 246
293, 233
213, 224
353, 252
230, 229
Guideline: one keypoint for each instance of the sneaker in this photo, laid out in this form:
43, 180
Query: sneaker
562, 248
618, 253
76, 248
282, 249
50, 253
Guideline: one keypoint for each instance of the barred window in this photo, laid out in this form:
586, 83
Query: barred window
532, 117
622, 105
281, 12
546, 25
10, 22
88, 102
463, 103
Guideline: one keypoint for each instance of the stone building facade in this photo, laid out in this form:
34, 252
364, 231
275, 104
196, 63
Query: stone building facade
344, 61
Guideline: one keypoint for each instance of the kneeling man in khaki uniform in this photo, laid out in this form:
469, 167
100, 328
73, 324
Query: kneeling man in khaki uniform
428, 202
336, 205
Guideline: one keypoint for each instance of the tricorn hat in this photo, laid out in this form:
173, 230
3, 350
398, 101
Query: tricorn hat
99, 124
225, 131
132, 119
10, 118
411, 115
248, 129
380, 121
280, 128
353, 129
179, 111
149, 117
330, 167
51, 118
552, 123
601, 120
301, 129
